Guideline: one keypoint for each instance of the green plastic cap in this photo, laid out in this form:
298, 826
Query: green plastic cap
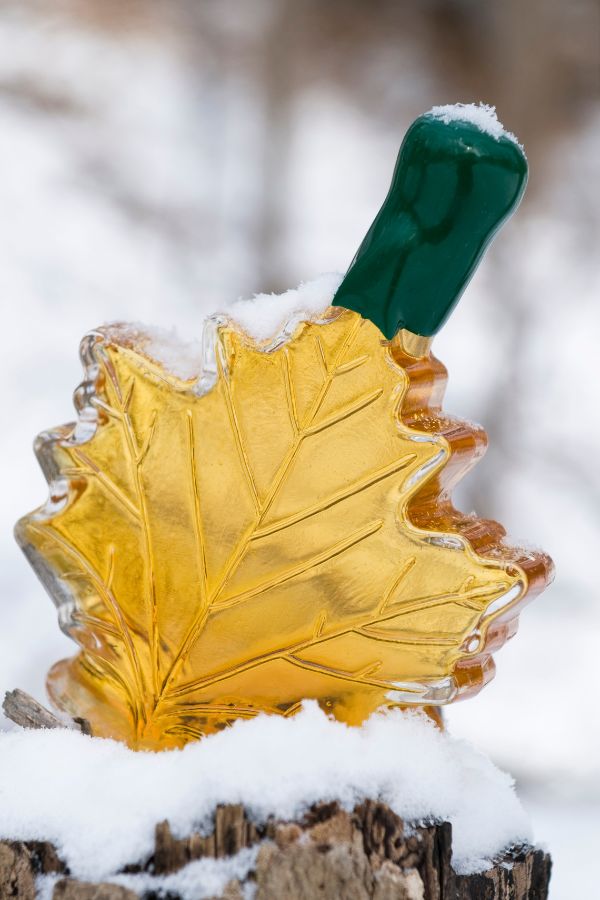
454, 185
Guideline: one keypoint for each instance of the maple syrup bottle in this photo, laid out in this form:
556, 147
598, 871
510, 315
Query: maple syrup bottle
278, 525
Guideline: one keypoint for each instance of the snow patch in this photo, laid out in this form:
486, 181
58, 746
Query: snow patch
163, 345
266, 315
99, 802
266, 318
198, 880
479, 114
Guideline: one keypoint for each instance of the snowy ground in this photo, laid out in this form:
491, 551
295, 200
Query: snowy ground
123, 198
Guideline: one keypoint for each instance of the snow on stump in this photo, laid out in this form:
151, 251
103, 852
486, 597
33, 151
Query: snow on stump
272, 808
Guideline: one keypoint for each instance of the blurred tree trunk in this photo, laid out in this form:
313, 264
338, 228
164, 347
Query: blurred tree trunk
275, 65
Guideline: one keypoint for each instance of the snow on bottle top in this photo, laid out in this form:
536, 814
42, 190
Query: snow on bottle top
267, 319
479, 114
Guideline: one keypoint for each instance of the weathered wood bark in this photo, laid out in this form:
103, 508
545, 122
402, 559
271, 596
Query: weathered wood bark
69, 889
331, 854
25, 711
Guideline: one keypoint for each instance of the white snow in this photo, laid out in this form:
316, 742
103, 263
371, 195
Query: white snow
164, 345
199, 879
265, 315
196, 881
98, 801
266, 318
479, 114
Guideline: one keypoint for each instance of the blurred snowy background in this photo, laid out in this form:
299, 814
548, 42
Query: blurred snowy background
158, 157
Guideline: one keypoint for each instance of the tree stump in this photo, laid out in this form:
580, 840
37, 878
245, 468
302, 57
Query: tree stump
368, 854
